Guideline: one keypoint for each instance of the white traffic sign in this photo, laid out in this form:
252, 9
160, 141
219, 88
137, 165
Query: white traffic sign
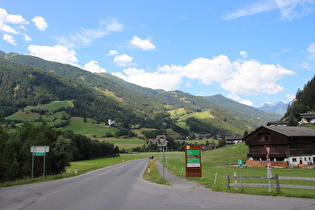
267, 149
39, 148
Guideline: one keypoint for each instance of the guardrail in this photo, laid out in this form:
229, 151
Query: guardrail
277, 185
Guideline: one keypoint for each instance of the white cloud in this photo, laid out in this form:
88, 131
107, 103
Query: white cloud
206, 70
144, 44
56, 53
289, 9
40, 23
16, 19
27, 38
252, 78
93, 67
6, 19
155, 80
306, 66
311, 50
123, 60
9, 39
247, 78
87, 36
244, 54
240, 100
290, 97
112, 52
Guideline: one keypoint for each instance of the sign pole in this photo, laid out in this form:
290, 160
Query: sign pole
268, 166
32, 166
161, 142
39, 151
163, 162
44, 165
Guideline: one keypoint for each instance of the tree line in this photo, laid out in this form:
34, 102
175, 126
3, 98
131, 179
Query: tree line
304, 101
65, 146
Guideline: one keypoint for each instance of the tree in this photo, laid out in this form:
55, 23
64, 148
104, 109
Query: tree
292, 121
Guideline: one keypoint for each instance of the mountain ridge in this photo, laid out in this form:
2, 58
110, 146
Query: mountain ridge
143, 102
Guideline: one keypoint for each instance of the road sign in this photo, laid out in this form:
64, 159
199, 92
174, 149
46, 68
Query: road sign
39, 148
193, 161
268, 150
161, 140
39, 153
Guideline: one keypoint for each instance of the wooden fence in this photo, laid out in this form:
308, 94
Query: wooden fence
277, 185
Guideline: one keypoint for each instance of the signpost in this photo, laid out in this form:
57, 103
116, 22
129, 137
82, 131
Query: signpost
193, 161
39, 151
162, 143
269, 175
240, 163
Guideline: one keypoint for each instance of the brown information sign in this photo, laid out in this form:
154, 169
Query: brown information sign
193, 161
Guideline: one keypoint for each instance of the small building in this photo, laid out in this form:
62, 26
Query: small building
306, 119
289, 145
230, 140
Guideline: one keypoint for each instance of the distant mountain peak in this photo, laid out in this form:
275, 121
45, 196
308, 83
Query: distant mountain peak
276, 107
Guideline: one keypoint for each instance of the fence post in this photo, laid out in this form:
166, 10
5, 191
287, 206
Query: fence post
228, 182
235, 180
277, 184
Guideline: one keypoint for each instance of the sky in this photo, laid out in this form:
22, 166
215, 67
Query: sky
251, 51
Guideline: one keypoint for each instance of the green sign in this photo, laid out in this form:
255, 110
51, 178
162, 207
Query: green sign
193, 152
193, 160
39, 153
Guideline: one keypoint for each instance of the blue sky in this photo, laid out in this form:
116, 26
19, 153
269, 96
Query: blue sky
252, 51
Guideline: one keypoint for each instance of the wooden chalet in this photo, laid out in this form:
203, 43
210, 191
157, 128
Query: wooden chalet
290, 145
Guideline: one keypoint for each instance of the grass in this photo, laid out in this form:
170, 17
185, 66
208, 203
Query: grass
215, 168
152, 174
30, 116
82, 167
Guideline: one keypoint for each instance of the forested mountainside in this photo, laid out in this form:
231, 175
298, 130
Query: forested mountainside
304, 100
104, 96
248, 114
255, 116
22, 86
133, 99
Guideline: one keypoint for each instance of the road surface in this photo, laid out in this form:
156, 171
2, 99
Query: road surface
121, 187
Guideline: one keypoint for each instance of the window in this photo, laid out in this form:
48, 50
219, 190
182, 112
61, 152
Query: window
293, 159
264, 136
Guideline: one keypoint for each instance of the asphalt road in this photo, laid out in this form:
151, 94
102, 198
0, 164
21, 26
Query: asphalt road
121, 187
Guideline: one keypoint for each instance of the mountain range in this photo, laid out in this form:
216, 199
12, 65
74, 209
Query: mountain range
276, 107
28, 80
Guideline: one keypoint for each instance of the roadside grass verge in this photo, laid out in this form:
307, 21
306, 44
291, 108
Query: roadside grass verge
152, 174
215, 168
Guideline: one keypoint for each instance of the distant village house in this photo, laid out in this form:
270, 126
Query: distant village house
306, 119
230, 140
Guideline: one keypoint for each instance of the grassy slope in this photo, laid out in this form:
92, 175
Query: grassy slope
215, 168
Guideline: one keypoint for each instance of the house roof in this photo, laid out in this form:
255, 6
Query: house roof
277, 123
229, 138
292, 131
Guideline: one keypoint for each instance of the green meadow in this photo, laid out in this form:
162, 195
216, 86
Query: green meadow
216, 166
